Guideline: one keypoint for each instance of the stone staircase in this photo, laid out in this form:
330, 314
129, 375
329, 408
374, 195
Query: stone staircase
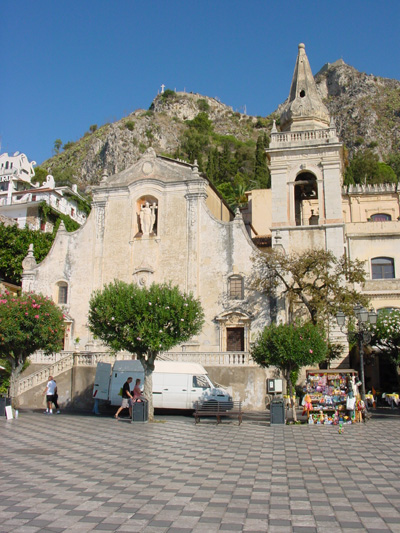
56, 364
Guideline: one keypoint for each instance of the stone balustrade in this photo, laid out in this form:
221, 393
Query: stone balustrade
211, 358
284, 137
370, 188
60, 362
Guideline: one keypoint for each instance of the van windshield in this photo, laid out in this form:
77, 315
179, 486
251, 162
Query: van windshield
201, 382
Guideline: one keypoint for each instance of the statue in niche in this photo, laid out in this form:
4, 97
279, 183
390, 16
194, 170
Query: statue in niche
147, 218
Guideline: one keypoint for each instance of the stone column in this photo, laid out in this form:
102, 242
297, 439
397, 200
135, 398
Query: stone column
29, 271
99, 207
321, 202
292, 200
195, 195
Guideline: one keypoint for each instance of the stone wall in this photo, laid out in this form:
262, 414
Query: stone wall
75, 387
247, 384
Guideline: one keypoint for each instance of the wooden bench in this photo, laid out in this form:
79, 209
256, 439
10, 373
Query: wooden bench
218, 409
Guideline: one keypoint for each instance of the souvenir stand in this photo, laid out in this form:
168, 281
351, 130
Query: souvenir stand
325, 395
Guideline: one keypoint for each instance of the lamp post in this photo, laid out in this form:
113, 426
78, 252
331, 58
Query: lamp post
363, 317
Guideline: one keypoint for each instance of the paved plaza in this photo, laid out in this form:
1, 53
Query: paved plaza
85, 473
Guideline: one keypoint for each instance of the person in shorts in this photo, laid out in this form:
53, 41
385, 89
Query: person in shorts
49, 391
126, 398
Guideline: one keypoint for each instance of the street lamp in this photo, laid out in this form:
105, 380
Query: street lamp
363, 317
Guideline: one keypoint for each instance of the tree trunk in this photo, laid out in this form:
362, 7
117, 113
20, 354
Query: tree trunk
148, 365
17, 364
291, 400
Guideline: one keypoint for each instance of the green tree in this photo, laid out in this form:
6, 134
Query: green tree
144, 321
224, 163
393, 160
365, 168
201, 123
261, 172
385, 174
14, 244
386, 334
40, 175
203, 105
290, 347
57, 145
28, 322
212, 165
68, 145
93, 128
193, 144
315, 280
168, 94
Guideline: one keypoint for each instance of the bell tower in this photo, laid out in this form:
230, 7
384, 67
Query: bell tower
306, 165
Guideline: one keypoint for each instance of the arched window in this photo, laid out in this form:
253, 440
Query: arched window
306, 188
382, 267
380, 217
62, 292
235, 288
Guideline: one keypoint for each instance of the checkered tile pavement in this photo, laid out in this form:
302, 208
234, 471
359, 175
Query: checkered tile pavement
85, 473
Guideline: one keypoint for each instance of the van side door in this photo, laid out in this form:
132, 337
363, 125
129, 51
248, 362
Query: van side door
175, 391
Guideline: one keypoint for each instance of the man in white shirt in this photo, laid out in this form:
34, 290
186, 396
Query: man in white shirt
49, 392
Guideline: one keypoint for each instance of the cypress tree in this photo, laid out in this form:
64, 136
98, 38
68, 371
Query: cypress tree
261, 172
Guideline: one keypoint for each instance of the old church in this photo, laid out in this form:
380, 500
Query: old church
161, 220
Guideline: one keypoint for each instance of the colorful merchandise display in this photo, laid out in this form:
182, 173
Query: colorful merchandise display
329, 396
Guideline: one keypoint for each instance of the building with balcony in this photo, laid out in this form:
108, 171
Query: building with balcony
20, 197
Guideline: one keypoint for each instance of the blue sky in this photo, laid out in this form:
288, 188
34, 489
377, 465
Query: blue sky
67, 65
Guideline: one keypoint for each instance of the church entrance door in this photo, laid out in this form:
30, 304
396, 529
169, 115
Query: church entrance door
235, 339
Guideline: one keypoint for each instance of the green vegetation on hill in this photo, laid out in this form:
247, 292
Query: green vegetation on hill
229, 146
366, 169
231, 164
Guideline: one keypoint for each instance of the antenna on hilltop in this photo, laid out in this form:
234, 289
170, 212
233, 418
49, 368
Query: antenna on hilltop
162, 88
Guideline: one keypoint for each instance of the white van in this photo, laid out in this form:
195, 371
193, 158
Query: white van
175, 385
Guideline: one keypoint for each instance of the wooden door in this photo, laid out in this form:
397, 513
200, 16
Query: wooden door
235, 339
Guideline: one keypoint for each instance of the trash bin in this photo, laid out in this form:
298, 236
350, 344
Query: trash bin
277, 411
140, 411
4, 401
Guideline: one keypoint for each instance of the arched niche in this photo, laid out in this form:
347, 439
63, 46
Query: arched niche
305, 190
147, 216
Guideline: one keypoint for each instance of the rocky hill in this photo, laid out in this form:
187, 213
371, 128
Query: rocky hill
366, 110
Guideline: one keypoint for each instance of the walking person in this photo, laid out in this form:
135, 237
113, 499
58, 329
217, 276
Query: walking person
51, 387
55, 399
126, 397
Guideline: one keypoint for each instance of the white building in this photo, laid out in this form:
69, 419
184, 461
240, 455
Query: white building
20, 197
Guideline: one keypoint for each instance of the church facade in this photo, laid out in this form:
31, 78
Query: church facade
157, 221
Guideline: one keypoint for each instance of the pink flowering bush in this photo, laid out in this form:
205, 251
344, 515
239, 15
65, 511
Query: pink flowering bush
28, 322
